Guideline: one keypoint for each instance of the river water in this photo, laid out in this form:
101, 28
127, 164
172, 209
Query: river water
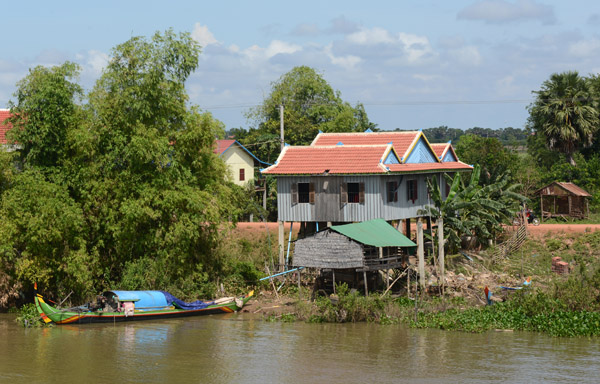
245, 349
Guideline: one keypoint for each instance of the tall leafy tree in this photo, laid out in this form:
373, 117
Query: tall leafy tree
125, 190
46, 110
564, 113
495, 160
310, 104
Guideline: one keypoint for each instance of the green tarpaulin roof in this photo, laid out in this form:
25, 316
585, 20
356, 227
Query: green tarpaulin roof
377, 233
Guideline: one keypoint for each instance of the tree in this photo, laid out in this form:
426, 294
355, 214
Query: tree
489, 153
129, 193
43, 236
564, 114
45, 112
310, 106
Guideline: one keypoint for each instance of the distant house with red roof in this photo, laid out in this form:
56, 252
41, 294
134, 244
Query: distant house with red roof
354, 177
240, 161
4, 127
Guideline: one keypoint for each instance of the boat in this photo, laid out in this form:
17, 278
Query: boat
123, 306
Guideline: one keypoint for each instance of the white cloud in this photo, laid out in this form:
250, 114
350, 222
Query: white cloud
502, 11
348, 61
371, 36
468, 55
203, 36
416, 47
276, 47
585, 48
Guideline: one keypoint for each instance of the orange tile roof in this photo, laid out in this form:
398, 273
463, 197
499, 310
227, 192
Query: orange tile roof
401, 140
347, 159
441, 149
426, 167
222, 145
4, 114
331, 159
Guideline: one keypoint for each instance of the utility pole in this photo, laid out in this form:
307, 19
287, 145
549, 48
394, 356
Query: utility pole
281, 125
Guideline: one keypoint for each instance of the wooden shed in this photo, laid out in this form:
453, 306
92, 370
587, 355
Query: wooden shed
563, 200
360, 247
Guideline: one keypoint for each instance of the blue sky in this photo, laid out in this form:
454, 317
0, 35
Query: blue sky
413, 64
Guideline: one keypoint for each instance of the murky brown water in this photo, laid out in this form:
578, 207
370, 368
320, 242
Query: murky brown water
244, 349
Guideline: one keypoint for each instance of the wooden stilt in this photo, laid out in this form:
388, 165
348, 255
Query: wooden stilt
333, 273
366, 285
421, 254
441, 255
281, 245
299, 284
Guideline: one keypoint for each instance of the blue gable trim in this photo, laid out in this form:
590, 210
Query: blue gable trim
244, 148
391, 158
421, 153
449, 157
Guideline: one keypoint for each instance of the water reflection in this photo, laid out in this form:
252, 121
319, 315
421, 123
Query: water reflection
243, 348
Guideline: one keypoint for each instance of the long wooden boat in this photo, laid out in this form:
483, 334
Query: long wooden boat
120, 306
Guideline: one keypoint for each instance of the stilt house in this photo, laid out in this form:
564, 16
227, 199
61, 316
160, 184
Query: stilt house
353, 177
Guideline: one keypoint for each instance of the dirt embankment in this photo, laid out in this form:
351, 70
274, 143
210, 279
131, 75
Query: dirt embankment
544, 229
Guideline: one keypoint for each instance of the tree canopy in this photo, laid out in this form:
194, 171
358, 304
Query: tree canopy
495, 159
310, 105
564, 113
124, 189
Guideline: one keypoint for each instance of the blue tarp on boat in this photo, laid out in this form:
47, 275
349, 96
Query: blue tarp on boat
154, 300
198, 304
144, 300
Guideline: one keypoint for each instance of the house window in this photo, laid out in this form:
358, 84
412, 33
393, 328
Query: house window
353, 193
392, 191
411, 190
303, 193
242, 174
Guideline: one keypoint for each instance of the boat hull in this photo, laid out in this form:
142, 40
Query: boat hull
49, 313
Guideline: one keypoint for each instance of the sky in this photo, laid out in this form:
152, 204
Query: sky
413, 64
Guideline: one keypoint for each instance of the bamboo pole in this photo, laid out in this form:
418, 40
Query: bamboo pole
441, 257
420, 253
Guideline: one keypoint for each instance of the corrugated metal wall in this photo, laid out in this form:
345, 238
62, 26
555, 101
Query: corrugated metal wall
328, 207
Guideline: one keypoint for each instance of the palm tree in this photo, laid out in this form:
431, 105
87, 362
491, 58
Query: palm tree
564, 113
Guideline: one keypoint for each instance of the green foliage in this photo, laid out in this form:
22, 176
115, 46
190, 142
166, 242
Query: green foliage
29, 317
494, 159
45, 112
507, 136
527, 311
124, 191
310, 105
43, 237
349, 306
471, 209
565, 114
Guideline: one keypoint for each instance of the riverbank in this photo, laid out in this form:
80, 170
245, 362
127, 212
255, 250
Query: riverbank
561, 304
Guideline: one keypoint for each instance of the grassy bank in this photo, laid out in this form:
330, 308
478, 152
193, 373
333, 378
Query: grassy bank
559, 305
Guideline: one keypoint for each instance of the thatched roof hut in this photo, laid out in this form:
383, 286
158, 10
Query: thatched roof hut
367, 246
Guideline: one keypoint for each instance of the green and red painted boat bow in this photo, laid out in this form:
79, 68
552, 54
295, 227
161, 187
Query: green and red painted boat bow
119, 306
